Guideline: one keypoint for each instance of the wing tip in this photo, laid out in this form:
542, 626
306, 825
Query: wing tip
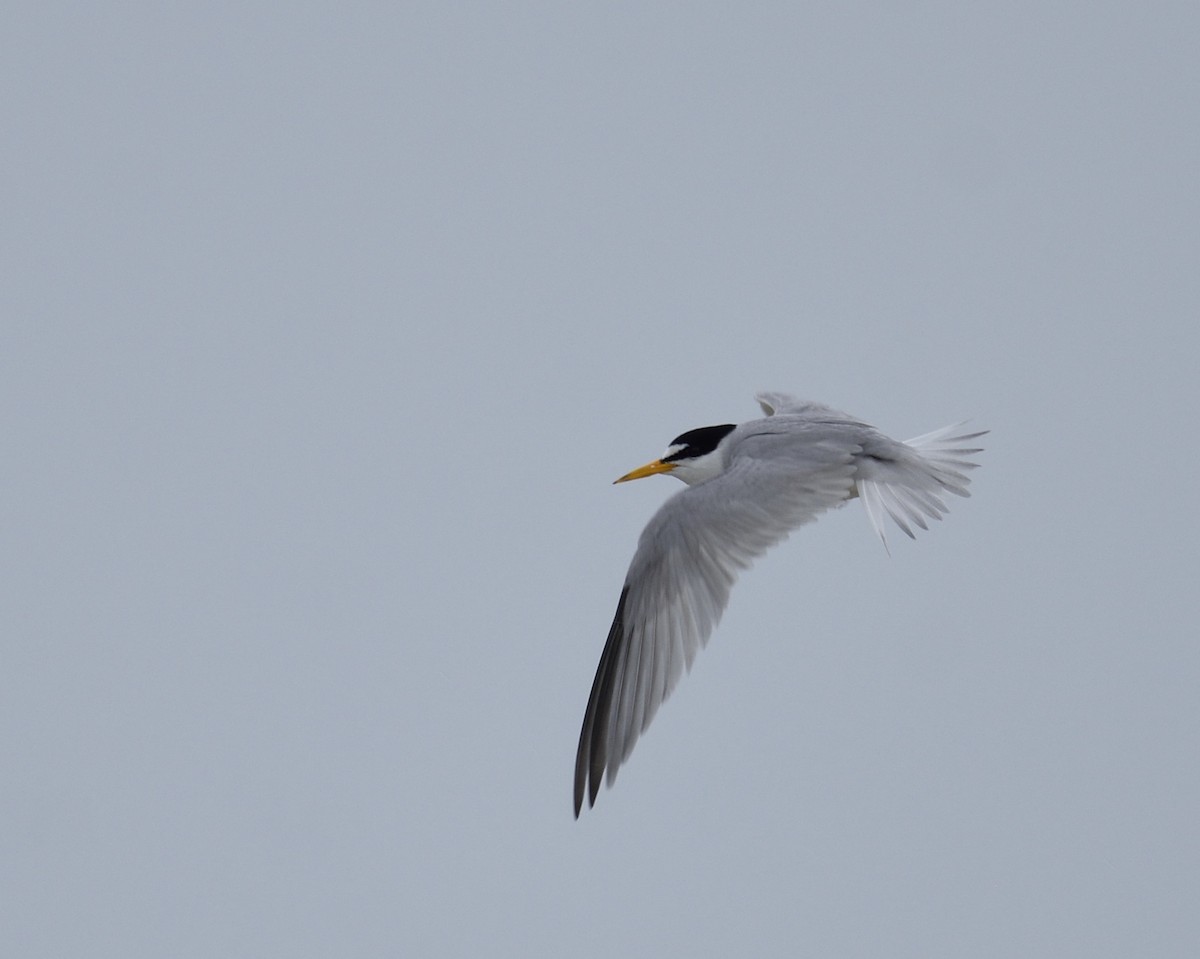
592, 756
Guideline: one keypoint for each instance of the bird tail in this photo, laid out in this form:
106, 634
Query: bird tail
907, 481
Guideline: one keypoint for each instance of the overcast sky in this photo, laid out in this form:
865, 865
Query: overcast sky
324, 331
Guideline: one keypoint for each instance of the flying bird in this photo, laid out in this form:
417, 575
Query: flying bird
748, 487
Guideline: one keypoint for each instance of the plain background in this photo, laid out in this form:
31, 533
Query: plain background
325, 329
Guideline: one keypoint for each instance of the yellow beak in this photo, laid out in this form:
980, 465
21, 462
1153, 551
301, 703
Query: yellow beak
658, 466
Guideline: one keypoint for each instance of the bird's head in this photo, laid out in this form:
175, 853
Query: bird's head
692, 457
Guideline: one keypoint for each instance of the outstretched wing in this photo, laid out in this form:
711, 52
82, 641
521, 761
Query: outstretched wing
679, 581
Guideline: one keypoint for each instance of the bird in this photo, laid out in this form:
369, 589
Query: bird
748, 486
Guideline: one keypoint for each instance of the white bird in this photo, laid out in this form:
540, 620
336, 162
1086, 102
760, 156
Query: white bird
749, 486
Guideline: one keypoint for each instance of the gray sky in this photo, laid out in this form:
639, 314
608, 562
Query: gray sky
325, 331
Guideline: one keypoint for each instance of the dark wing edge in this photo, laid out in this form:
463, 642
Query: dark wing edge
592, 756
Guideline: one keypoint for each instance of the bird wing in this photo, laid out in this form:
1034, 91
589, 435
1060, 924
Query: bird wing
774, 404
679, 580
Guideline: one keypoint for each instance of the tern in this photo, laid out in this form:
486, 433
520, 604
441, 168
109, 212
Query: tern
748, 487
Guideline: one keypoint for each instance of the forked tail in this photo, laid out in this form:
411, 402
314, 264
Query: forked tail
907, 481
